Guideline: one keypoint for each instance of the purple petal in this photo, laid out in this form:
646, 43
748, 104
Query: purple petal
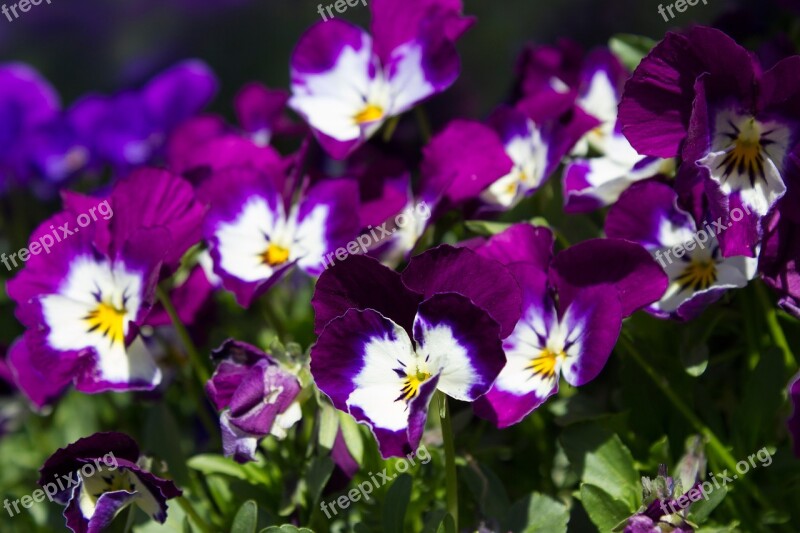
638, 278
179, 93
520, 243
484, 281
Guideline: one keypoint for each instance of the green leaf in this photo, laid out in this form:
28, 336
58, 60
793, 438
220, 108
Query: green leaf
761, 400
537, 513
396, 503
630, 49
701, 509
485, 227
601, 459
216, 464
328, 426
286, 528
317, 475
433, 521
352, 437
604, 510
448, 524
488, 490
246, 518
694, 359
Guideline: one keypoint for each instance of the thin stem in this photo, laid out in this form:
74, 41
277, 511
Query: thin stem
424, 123
194, 356
774, 325
187, 507
449, 457
388, 130
714, 443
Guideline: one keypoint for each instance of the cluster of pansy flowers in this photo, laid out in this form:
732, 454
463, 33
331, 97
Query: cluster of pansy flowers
702, 129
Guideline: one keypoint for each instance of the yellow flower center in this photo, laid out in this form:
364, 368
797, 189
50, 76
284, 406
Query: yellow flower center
412, 384
109, 321
275, 255
545, 363
370, 113
698, 275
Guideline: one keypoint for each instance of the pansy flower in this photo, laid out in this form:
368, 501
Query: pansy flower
499, 164
84, 301
346, 83
572, 310
689, 253
256, 233
780, 254
27, 102
702, 96
255, 395
97, 477
388, 341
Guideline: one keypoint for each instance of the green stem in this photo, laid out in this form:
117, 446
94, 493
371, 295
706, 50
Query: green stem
714, 443
194, 357
774, 325
449, 457
388, 130
187, 507
273, 317
424, 123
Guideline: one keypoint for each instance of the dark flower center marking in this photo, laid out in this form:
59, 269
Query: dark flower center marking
746, 154
698, 275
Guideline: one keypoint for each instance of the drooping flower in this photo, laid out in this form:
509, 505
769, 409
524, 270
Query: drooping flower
346, 83
98, 476
780, 253
499, 164
83, 302
702, 96
572, 310
648, 213
255, 395
256, 234
388, 341
593, 85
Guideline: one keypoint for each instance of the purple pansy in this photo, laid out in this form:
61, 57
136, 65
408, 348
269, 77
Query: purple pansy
98, 476
83, 302
572, 310
255, 395
388, 341
129, 129
793, 422
662, 509
702, 96
256, 233
510, 158
779, 257
27, 103
346, 83
648, 213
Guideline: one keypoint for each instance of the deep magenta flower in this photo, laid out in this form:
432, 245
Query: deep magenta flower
98, 476
346, 83
689, 253
84, 301
256, 233
388, 341
702, 96
255, 395
572, 310
780, 253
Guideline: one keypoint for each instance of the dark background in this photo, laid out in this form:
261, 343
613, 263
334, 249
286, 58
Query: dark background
107, 45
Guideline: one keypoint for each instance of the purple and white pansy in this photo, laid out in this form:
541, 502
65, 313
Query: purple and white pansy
648, 213
98, 476
347, 83
573, 305
388, 341
702, 96
593, 182
256, 234
83, 303
255, 395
